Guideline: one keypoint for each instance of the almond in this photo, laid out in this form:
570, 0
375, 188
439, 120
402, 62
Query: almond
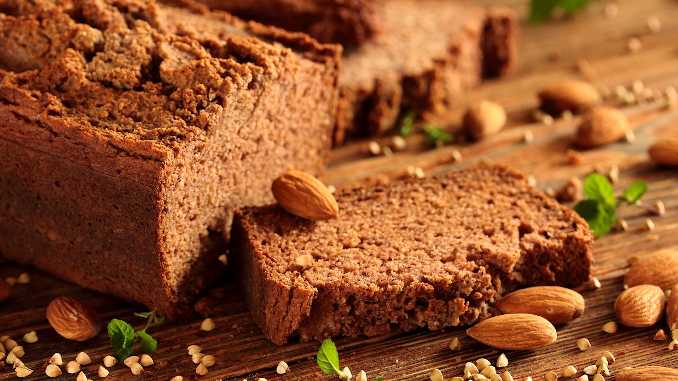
601, 125
648, 373
72, 319
672, 309
483, 119
5, 290
665, 152
640, 306
657, 268
569, 94
556, 304
514, 332
305, 196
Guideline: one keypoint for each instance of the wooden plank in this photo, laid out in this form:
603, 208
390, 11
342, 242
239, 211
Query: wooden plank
548, 52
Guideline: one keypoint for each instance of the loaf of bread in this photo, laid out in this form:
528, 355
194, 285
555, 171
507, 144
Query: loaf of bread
420, 57
128, 138
432, 253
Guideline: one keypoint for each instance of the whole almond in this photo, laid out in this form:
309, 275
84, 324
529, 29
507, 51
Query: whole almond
569, 94
72, 319
5, 290
601, 125
648, 373
640, 306
514, 332
556, 304
672, 309
665, 152
657, 268
305, 196
483, 119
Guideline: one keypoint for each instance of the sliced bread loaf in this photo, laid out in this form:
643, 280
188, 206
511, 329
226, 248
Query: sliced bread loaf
419, 253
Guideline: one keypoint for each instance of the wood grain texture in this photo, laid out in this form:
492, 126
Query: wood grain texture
548, 52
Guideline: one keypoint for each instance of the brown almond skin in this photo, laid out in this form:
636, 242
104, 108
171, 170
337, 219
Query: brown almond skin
5, 290
657, 268
305, 196
558, 305
600, 126
672, 309
640, 306
647, 373
568, 95
514, 332
72, 319
665, 152
484, 119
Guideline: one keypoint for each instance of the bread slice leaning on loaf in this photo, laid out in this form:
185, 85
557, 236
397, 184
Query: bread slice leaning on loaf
429, 253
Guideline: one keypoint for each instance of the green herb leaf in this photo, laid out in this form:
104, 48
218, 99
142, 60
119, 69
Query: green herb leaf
407, 124
600, 216
635, 191
144, 315
541, 10
571, 6
328, 357
597, 187
122, 338
147, 342
437, 136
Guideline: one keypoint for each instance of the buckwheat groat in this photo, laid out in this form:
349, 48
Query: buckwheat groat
128, 140
430, 253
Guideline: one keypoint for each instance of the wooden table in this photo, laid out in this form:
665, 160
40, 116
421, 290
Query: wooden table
591, 46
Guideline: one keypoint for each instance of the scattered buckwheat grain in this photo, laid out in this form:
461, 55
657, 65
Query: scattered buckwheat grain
207, 325
583, 344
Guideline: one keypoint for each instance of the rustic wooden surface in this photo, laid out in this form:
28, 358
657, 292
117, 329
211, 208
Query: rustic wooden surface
555, 50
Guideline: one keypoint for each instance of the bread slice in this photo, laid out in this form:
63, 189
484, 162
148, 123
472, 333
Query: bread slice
128, 140
428, 253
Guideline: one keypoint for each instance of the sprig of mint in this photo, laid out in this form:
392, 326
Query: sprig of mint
599, 208
436, 135
541, 10
124, 337
328, 358
406, 124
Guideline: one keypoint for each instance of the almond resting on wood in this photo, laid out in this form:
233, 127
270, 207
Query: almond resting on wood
558, 305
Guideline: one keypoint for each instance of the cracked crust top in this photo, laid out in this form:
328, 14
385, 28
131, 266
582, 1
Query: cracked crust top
150, 84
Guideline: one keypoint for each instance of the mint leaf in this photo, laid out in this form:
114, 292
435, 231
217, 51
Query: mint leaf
540, 10
635, 191
122, 338
407, 124
148, 343
436, 135
570, 6
328, 357
600, 217
597, 187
